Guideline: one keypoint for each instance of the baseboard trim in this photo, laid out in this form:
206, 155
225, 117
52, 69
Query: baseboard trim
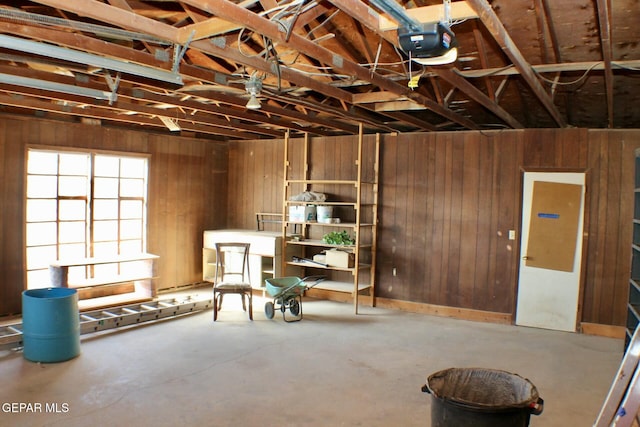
444, 311
598, 329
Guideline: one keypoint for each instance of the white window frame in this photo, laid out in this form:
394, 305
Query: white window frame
127, 214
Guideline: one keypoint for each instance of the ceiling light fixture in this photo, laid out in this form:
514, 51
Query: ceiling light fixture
253, 86
171, 124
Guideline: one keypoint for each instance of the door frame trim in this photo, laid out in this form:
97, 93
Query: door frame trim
585, 236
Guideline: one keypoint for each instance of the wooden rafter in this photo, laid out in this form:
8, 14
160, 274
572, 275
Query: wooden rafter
229, 11
495, 27
604, 19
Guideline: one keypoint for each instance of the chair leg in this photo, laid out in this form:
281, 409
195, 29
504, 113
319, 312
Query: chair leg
215, 307
244, 305
250, 305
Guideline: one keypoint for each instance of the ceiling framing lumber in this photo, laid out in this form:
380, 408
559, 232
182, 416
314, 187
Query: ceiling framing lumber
323, 67
231, 12
495, 27
604, 19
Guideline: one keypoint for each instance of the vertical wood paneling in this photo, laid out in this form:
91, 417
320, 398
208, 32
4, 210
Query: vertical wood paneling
447, 201
185, 177
470, 214
385, 259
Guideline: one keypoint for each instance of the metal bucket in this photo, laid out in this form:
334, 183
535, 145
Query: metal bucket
50, 324
481, 398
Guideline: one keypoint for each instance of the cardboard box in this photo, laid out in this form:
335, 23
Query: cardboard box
340, 258
302, 213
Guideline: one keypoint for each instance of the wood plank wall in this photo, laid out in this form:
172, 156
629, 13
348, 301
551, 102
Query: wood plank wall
187, 194
448, 201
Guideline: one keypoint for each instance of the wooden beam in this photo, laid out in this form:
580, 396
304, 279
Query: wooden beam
604, 19
371, 97
554, 68
455, 79
398, 106
435, 13
114, 15
228, 10
495, 27
42, 105
212, 26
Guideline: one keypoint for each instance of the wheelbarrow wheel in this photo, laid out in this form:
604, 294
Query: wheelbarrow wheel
294, 307
269, 310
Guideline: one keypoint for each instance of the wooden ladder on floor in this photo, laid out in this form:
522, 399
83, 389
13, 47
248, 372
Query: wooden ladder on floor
621, 406
116, 317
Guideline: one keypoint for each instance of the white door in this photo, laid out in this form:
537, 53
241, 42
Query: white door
550, 250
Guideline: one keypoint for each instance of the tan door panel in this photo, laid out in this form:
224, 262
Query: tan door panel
555, 214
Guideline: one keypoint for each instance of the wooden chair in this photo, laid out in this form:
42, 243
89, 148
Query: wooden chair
232, 275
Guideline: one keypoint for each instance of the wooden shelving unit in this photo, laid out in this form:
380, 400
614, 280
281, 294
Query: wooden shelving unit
356, 203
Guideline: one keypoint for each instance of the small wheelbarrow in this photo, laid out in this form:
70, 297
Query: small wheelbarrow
287, 295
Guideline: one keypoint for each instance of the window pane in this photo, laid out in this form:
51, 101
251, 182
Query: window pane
131, 247
105, 209
74, 164
130, 229
132, 188
40, 257
132, 167
107, 166
105, 230
40, 187
73, 210
38, 279
130, 209
41, 233
77, 274
41, 210
104, 249
105, 188
72, 232
73, 251
73, 186
57, 209
42, 162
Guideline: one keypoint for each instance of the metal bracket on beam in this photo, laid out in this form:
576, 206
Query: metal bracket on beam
113, 85
179, 51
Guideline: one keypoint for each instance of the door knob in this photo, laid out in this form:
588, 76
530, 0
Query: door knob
524, 258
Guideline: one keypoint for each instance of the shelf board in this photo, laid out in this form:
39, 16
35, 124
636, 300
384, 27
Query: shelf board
326, 224
308, 264
323, 181
335, 286
312, 242
317, 202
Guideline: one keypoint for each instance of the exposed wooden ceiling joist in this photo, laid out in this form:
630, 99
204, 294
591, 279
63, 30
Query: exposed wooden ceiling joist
325, 67
493, 24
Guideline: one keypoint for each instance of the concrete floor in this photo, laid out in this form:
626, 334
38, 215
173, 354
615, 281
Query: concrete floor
330, 369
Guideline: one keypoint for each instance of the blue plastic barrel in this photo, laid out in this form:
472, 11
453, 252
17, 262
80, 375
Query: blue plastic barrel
50, 324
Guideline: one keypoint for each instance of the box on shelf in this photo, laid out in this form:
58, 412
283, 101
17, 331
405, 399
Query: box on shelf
302, 213
320, 258
340, 258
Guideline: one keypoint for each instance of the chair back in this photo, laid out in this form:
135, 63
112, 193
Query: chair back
232, 263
